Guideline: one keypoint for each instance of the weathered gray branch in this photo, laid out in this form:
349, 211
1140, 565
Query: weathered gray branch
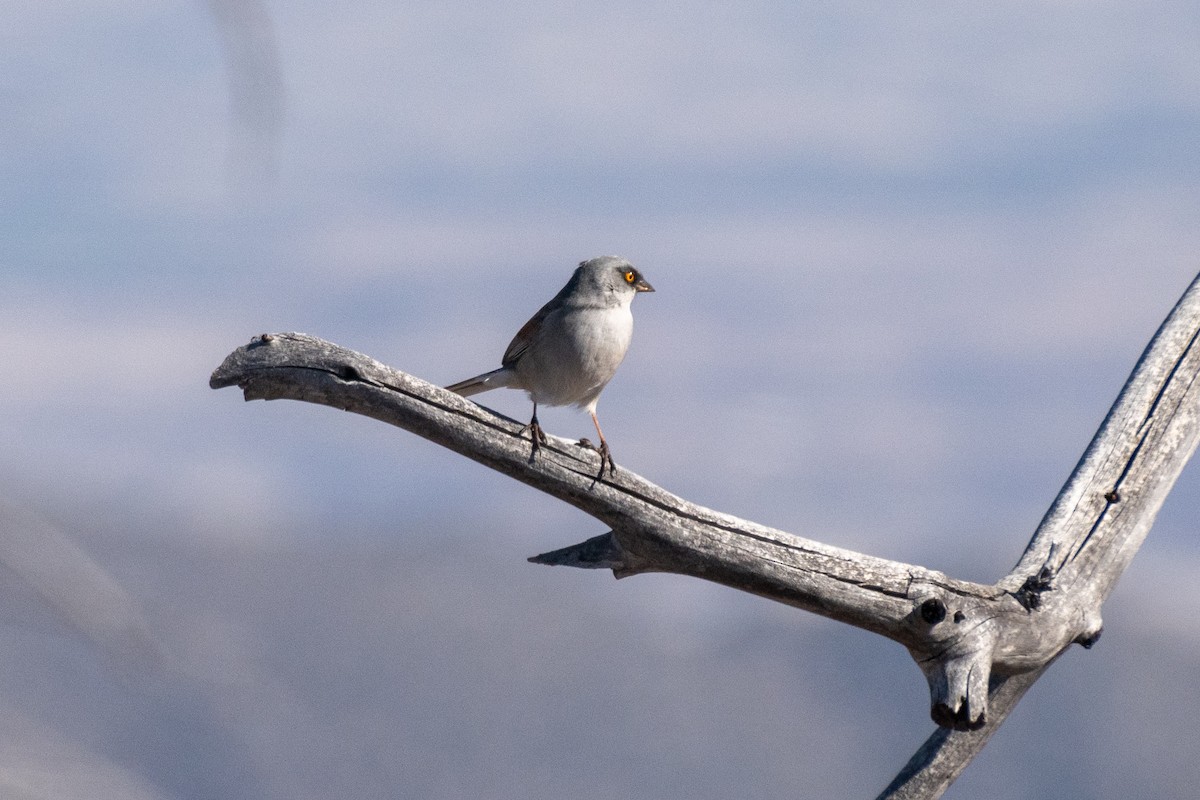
976, 644
1092, 530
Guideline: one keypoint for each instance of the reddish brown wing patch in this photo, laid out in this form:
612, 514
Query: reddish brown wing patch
520, 342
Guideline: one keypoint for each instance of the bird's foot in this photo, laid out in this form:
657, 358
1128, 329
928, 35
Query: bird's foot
606, 461
537, 437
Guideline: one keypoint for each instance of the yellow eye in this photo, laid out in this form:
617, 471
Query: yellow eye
630, 276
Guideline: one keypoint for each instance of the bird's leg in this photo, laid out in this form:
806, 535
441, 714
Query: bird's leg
536, 435
606, 461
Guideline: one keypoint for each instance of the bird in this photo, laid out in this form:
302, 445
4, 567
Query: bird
569, 350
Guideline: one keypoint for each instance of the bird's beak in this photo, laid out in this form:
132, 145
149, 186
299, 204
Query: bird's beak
642, 286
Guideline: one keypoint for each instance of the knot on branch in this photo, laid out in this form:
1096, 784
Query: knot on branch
1030, 593
1092, 626
933, 610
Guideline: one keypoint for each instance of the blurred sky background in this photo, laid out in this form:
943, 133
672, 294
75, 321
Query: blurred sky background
906, 255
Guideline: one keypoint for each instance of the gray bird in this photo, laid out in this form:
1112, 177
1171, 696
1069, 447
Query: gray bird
570, 349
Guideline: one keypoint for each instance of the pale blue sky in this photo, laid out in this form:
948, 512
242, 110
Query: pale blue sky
905, 257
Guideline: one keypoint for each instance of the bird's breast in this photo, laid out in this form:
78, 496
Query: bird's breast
576, 354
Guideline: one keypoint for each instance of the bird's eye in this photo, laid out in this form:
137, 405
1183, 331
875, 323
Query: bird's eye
630, 276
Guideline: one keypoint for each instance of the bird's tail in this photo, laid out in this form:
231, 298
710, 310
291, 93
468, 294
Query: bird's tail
481, 383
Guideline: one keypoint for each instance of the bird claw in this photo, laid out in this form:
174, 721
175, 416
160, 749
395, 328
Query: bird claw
606, 461
537, 437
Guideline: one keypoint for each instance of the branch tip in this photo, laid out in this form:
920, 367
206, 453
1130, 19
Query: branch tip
599, 552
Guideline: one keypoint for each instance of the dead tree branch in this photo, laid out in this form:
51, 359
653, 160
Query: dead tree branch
980, 647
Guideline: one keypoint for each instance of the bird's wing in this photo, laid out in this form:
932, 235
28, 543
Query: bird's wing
525, 336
